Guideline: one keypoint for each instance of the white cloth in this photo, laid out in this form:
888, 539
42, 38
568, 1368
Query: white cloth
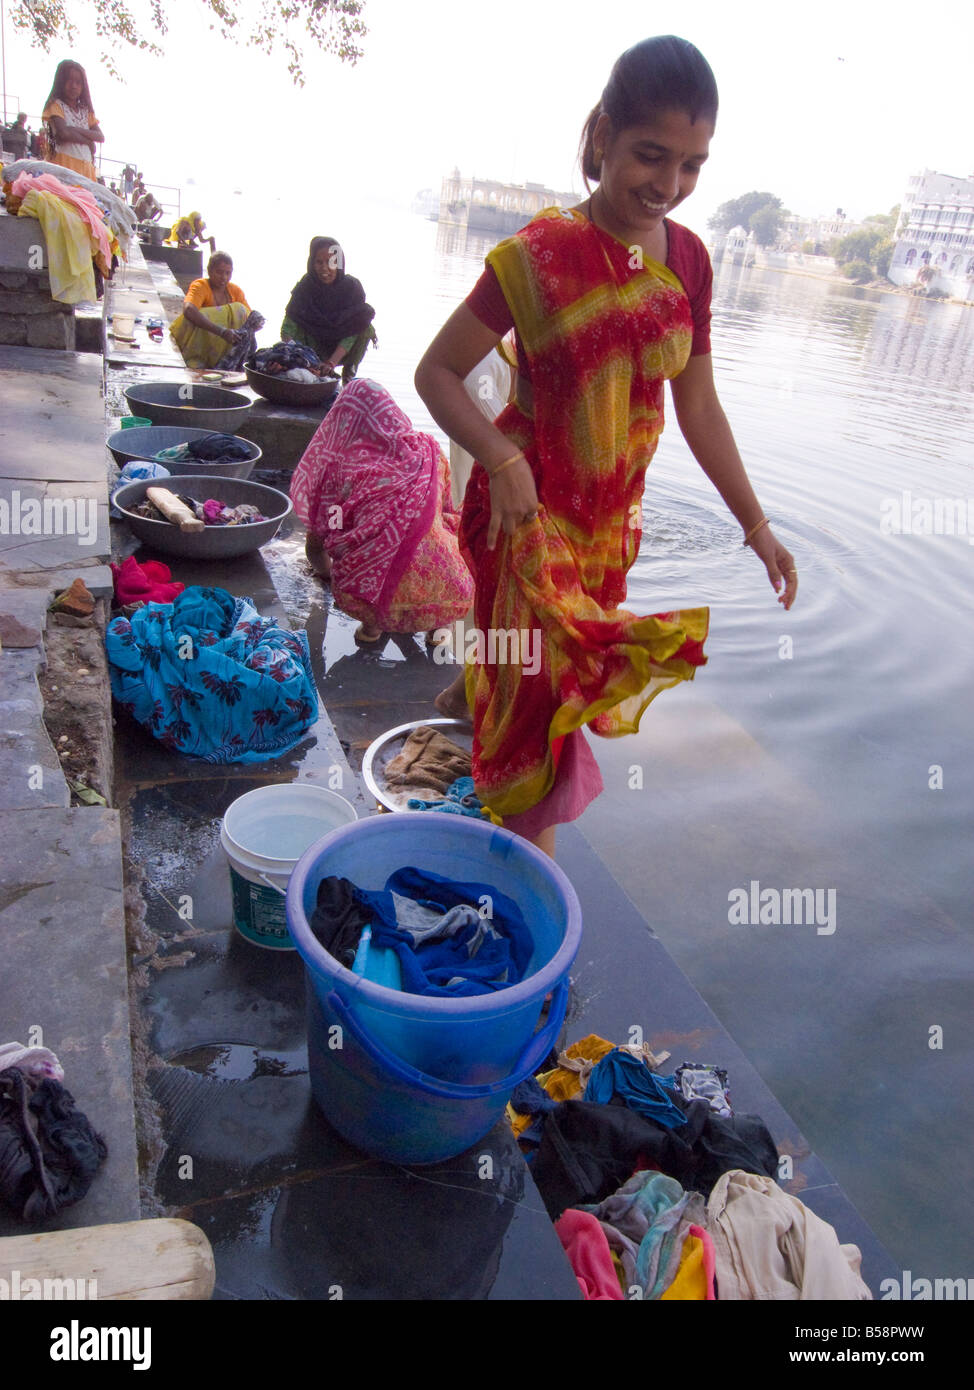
768, 1245
36, 1062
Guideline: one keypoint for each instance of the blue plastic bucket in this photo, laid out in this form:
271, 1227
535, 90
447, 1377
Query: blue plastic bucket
414, 1079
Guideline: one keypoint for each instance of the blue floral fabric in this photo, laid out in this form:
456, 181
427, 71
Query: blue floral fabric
211, 678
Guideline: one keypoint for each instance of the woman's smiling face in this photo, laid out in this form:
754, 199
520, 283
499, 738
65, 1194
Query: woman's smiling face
647, 170
327, 262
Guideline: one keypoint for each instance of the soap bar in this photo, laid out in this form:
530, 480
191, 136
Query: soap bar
173, 510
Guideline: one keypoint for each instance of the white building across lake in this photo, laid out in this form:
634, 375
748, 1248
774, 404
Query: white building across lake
935, 235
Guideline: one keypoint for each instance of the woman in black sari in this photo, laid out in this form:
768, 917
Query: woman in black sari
327, 310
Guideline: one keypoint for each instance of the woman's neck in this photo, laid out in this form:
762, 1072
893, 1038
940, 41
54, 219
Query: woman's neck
655, 244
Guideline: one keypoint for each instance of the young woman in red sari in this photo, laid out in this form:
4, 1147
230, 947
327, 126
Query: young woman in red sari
608, 300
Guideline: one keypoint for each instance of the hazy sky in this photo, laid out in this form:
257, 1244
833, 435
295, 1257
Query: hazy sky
833, 109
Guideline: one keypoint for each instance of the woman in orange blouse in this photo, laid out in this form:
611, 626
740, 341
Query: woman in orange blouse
214, 312
72, 123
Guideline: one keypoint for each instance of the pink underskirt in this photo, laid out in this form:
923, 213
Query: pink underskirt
578, 782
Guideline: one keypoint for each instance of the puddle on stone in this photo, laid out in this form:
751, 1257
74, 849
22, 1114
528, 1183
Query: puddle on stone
239, 1062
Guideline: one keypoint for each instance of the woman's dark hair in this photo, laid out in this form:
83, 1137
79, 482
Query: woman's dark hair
660, 74
217, 258
57, 92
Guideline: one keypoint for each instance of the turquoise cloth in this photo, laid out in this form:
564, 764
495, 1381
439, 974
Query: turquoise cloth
209, 677
459, 799
621, 1074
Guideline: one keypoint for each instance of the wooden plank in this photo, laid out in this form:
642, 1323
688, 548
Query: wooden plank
164, 1258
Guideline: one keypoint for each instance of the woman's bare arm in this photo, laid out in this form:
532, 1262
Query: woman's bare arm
461, 343
706, 430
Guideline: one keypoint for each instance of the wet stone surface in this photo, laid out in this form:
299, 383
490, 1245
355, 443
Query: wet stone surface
292, 1210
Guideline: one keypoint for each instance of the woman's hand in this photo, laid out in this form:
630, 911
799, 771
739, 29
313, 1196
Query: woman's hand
779, 563
513, 500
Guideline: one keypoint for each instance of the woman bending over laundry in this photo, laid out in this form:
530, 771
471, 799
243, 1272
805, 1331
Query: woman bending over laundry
215, 312
327, 310
374, 494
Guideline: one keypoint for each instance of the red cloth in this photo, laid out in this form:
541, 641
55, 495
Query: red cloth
687, 258
587, 1248
152, 582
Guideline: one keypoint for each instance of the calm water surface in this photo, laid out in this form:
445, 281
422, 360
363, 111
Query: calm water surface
828, 748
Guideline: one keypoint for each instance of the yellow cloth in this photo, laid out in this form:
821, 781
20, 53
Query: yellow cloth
691, 1280
562, 1083
202, 349
70, 246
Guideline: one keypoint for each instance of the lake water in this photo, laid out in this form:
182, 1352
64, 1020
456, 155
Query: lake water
827, 749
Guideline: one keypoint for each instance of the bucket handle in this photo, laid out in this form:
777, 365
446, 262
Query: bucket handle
535, 1051
264, 879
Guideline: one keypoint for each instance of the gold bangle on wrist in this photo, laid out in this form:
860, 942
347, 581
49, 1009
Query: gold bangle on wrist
493, 472
754, 530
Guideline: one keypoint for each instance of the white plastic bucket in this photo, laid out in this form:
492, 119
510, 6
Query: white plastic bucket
123, 325
264, 834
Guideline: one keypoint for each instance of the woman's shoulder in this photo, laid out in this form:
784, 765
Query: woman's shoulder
551, 230
53, 108
687, 245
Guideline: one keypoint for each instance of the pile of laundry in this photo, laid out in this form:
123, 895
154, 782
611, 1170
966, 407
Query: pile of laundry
212, 511
209, 677
212, 448
424, 934
658, 1190
432, 773
289, 360
79, 242
49, 1152
117, 213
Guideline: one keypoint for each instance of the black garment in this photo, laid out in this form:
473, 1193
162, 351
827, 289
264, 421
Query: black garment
338, 919
282, 357
589, 1150
329, 312
49, 1153
214, 447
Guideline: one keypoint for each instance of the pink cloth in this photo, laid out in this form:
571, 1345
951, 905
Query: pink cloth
577, 782
587, 1248
79, 198
709, 1259
152, 582
371, 489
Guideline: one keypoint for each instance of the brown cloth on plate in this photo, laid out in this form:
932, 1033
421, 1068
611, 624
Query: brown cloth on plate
428, 760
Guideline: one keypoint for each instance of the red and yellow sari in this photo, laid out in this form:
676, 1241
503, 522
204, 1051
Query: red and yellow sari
601, 334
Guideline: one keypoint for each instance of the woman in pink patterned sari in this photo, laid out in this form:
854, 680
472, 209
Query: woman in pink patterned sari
375, 496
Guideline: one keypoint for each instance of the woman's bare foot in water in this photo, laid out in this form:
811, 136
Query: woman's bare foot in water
452, 702
365, 632
317, 557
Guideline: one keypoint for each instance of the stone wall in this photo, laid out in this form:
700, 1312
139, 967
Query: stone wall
29, 317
